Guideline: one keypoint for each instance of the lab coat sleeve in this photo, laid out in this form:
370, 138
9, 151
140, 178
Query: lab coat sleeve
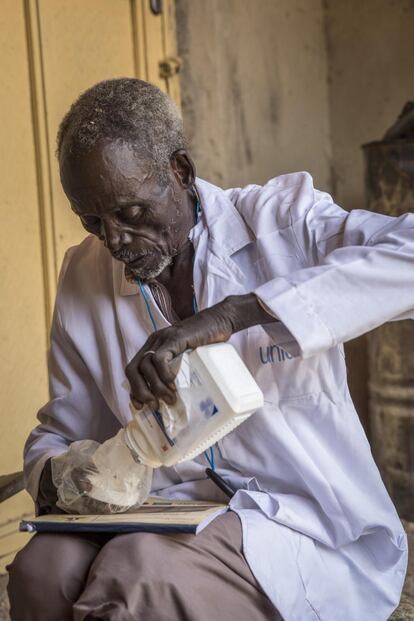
76, 409
358, 273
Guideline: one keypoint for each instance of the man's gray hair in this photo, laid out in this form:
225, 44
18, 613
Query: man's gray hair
126, 109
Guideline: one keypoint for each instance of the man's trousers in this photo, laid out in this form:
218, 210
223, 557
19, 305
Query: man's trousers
138, 576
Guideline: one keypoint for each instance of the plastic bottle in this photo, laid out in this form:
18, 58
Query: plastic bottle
215, 393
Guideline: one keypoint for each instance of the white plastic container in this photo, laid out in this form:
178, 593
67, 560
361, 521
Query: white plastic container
215, 393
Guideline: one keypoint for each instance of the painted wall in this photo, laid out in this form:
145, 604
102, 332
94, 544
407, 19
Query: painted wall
254, 88
371, 76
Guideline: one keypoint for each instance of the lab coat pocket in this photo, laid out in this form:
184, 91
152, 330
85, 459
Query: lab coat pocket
264, 446
250, 448
314, 576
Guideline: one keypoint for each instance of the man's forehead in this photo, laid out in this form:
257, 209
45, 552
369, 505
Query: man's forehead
113, 155
106, 165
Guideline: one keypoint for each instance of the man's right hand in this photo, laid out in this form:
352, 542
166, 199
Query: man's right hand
71, 473
73, 487
48, 498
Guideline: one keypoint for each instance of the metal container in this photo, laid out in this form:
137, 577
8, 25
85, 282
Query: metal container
389, 182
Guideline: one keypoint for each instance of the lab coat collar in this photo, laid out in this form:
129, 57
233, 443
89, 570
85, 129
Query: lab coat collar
226, 230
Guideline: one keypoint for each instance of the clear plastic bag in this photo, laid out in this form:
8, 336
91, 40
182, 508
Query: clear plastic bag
100, 478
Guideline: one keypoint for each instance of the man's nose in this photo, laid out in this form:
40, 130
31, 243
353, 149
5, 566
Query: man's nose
111, 234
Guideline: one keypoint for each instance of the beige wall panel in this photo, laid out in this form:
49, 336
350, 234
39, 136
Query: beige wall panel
170, 49
154, 43
13, 511
138, 33
22, 317
83, 41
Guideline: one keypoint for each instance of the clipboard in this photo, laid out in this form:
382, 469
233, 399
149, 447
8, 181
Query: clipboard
156, 515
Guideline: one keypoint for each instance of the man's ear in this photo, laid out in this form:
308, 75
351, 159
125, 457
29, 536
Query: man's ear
183, 168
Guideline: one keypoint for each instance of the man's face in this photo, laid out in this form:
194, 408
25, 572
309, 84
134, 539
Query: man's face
142, 222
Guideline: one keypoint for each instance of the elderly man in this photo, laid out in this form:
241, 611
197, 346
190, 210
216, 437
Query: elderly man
172, 263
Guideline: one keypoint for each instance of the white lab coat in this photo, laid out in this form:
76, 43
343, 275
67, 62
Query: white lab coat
320, 532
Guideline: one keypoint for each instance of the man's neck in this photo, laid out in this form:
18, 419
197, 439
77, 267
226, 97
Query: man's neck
177, 278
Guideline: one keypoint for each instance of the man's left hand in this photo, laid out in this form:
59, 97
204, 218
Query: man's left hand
151, 373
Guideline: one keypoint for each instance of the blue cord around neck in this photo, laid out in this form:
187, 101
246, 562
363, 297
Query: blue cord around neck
147, 304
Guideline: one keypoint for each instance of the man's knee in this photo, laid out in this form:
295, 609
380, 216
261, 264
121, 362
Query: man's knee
134, 575
48, 575
28, 584
26, 574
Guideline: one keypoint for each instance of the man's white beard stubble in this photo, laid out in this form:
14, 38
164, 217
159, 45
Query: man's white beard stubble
151, 274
